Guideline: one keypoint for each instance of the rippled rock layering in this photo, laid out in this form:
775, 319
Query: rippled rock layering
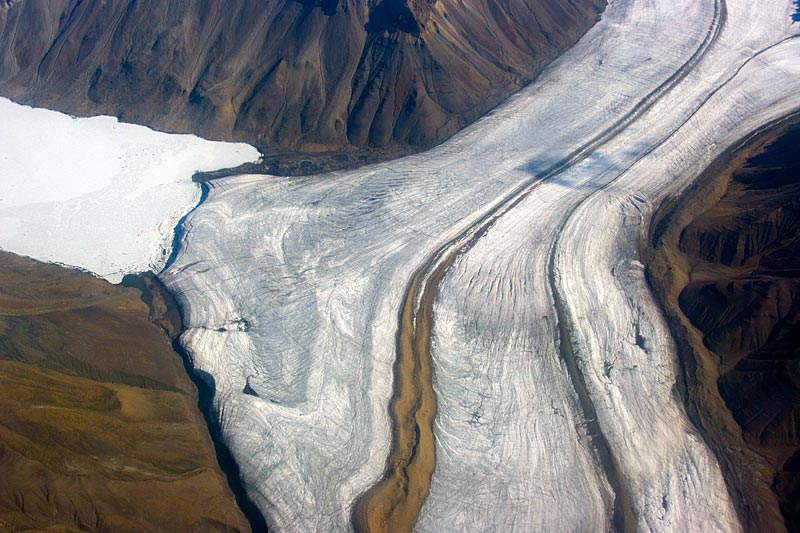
507, 260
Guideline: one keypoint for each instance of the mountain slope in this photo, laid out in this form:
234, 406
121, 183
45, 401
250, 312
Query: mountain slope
726, 270
99, 426
373, 78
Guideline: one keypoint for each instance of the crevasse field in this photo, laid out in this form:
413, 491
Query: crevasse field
291, 287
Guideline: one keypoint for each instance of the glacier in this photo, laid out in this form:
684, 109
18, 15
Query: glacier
291, 289
552, 366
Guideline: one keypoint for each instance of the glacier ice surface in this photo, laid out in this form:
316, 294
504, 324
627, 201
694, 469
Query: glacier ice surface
291, 289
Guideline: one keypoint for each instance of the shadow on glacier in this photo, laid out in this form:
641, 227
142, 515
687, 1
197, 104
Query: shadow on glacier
592, 174
594, 171
206, 390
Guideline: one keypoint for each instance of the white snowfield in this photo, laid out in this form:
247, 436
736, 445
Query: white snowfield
292, 288
96, 193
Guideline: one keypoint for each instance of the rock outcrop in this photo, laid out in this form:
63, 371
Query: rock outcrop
730, 264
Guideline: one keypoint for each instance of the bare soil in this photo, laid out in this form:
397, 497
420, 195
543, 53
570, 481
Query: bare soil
99, 426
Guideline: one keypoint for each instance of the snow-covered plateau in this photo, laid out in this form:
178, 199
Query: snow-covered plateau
291, 290
96, 193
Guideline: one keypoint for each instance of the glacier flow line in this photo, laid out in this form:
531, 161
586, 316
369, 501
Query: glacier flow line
623, 512
393, 504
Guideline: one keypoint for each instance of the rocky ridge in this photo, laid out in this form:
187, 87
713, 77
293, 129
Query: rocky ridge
726, 270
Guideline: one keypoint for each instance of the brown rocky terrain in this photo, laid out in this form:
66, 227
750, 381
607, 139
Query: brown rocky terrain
727, 269
99, 425
315, 84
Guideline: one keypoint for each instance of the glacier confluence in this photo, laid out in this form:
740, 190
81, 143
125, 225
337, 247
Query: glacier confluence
291, 290
553, 369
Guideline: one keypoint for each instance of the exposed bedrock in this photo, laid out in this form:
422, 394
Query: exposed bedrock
737, 252
367, 77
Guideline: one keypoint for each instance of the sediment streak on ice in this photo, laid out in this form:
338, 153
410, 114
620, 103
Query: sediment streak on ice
626, 351
623, 347
96, 193
291, 289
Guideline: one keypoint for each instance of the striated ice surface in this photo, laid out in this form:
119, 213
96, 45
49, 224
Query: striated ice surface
625, 349
291, 290
291, 287
502, 288
96, 193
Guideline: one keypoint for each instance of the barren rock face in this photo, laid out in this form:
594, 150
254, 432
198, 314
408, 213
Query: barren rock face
382, 76
746, 303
